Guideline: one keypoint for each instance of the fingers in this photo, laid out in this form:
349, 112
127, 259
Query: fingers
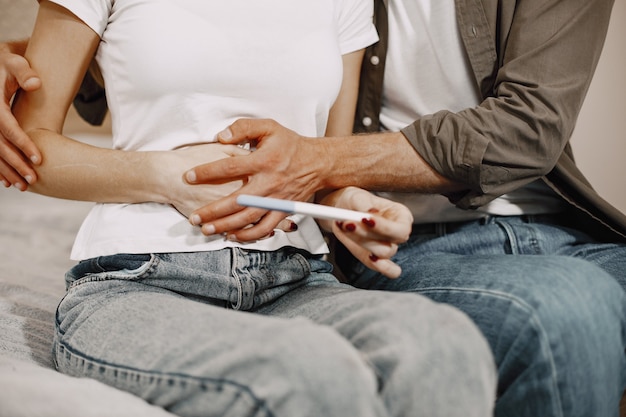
265, 227
245, 224
25, 76
227, 169
378, 228
28, 80
217, 217
374, 242
287, 225
374, 256
371, 242
17, 150
14, 168
225, 216
243, 130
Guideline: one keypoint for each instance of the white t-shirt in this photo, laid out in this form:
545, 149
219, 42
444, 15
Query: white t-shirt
178, 72
427, 70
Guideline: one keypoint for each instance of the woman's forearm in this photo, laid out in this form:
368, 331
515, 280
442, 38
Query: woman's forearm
78, 171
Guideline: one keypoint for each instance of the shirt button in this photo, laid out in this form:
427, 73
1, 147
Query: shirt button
375, 60
367, 121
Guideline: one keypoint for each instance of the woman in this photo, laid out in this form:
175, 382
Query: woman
151, 307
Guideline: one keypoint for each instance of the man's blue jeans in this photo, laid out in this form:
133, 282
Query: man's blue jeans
541, 294
166, 327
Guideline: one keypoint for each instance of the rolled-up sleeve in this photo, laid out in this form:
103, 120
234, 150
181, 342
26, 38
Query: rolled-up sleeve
533, 61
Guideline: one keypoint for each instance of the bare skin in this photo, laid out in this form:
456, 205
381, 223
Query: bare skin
290, 166
18, 152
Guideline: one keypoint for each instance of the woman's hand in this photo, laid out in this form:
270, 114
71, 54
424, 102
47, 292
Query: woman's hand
185, 197
373, 241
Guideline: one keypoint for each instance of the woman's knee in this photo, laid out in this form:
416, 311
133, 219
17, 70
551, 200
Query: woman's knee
318, 371
432, 346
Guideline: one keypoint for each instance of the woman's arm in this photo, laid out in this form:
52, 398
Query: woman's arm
341, 116
376, 240
60, 51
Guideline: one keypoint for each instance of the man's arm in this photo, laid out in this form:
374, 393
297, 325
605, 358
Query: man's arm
287, 165
533, 61
513, 137
18, 153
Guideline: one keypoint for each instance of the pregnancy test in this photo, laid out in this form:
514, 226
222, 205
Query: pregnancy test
317, 211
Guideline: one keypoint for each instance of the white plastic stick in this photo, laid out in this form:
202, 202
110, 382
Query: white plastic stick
317, 211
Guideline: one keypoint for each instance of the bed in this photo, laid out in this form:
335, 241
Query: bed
36, 234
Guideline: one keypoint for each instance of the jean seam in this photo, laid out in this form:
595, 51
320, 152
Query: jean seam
508, 230
169, 378
234, 254
304, 263
126, 275
533, 317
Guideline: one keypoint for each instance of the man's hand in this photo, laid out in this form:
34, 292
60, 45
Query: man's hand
284, 165
372, 241
17, 150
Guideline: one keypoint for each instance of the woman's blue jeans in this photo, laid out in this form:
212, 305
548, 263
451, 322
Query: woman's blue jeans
545, 296
245, 333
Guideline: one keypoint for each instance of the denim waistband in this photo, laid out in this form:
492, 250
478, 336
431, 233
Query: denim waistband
443, 228
236, 277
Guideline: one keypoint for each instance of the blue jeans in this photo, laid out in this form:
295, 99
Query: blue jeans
246, 333
545, 296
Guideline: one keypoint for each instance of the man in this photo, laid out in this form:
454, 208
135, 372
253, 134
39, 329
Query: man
476, 100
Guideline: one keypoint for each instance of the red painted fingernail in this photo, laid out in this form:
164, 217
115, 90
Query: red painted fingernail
293, 227
339, 224
350, 227
369, 222
373, 257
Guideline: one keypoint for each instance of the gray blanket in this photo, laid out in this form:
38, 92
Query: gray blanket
36, 234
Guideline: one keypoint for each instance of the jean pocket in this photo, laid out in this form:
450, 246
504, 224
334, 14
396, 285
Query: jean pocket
120, 266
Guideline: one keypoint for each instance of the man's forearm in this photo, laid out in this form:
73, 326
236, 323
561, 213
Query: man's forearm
378, 162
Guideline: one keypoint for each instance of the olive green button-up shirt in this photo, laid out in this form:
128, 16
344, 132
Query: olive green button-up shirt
533, 61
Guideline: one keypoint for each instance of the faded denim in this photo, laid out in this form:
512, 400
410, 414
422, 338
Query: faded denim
545, 296
246, 333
